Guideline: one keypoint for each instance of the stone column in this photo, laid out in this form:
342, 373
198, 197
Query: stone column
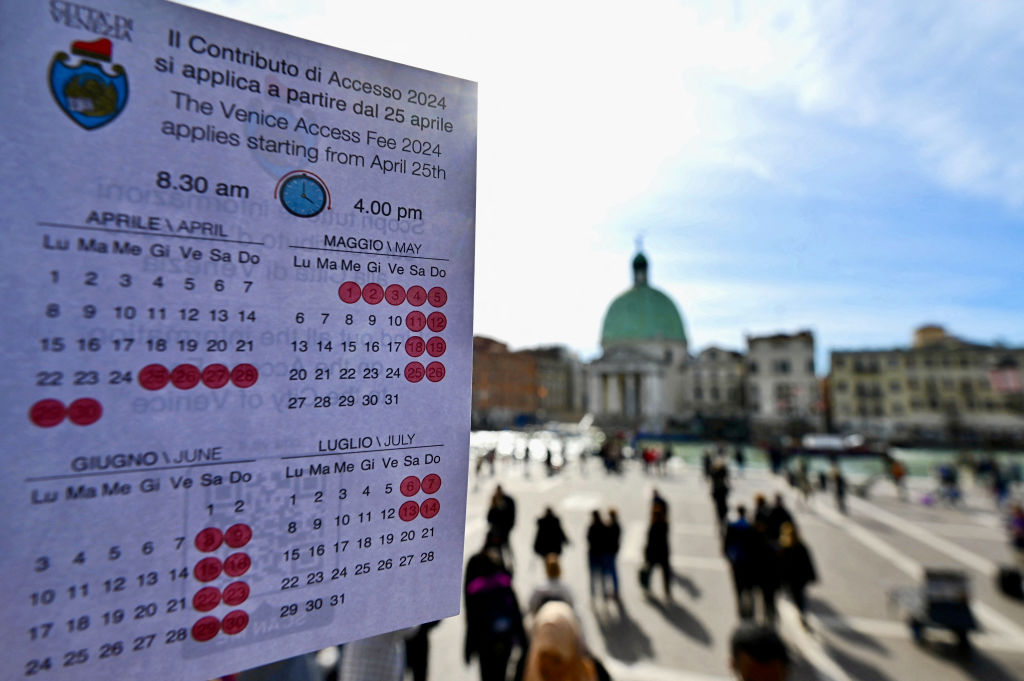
629, 383
595, 395
614, 392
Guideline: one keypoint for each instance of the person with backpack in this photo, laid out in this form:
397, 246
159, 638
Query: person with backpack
494, 622
741, 552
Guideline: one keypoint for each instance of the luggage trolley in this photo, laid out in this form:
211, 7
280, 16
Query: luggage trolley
941, 602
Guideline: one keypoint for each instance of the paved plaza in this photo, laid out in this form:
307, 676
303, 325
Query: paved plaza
855, 632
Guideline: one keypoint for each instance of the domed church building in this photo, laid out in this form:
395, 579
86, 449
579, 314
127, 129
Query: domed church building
641, 380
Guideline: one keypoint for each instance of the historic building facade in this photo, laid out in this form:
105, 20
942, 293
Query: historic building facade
782, 389
641, 380
941, 389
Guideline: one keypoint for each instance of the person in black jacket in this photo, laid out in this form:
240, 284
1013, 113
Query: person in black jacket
796, 567
494, 622
550, 536
656, 552
608, 568
597, 547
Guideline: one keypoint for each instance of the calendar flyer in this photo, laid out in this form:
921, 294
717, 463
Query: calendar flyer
237, 324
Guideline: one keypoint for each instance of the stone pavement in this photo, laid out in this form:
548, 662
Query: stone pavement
881, 545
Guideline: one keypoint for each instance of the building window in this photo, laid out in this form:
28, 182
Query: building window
752, 367
894, 386
838, 362
714, 393
810, 366
782, 366
893, 361
913, 383
698, 394
841, 386
911, 363
897, 409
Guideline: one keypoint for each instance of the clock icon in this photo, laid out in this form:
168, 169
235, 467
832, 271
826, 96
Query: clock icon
303, 194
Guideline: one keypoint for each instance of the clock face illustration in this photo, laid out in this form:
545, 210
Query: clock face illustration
303, 195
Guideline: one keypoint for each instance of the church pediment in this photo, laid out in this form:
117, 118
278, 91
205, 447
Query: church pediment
628, 355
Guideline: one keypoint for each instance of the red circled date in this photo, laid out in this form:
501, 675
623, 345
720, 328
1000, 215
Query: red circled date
416, 295
206, 628
408, 511
238, 535
237, 564
47, 413
416, 321
236, 593
208, 569
349, 292
437, 321
436, 346
216, 376
435, 372
430, 507
244, 376
234, 622
394, 294
414, 346
84, 411
414, 372
431, 483
154, 376
185, 376
410, 486
206, 599
437, 296
209, 539
373, 293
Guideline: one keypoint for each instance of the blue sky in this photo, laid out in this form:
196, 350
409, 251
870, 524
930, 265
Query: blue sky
856, 168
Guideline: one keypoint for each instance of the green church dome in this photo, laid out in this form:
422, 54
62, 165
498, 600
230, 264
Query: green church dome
642, 313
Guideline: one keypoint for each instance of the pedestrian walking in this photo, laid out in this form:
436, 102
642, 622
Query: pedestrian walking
803, 480
740, 457
706, 463
597, 547
656, 552
898, 473
766, 568
839, 487
501, 517
720, 493
417, 651
557, 651
609, 569
494, 622
761, 510
550, 536
778, 516
552, 588
796, 567
741, 552
758, 654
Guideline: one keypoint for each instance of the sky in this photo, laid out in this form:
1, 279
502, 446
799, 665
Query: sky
854, 168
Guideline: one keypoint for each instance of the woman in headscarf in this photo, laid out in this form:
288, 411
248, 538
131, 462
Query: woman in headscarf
556, 651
